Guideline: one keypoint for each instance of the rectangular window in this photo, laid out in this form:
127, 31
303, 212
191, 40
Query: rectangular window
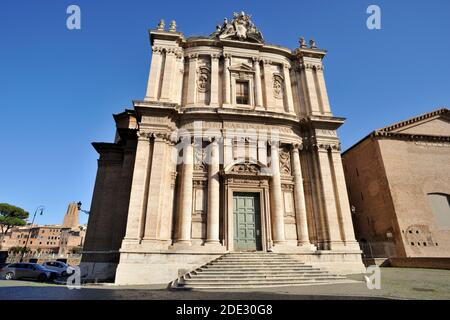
242, 92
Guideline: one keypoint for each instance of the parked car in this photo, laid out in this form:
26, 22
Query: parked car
32, 271
63, 269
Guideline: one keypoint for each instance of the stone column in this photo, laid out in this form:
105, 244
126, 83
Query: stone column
329, 200
185, 212
323, 90
276, 194
213, 196
341, 190
299, 198
226, 80
311, 90
268, 83
288, 89
136, 209
155, 74
192, 80
214, 102
168, 76
258, 86
227, 151
262, 151
157, 188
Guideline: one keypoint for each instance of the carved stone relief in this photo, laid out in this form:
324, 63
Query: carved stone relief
285, 161
203, 79
278, 85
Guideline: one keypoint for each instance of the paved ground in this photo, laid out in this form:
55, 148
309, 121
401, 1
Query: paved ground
396, 283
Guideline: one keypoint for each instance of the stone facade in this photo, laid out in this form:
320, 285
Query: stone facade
398, 180
228, 124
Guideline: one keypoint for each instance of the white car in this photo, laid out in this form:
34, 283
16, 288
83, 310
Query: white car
61, 268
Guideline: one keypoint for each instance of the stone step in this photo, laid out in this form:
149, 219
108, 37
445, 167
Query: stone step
263, 277
268, 262
262, 282
254, 270
255, 286
230, 273
258, 260
257, 280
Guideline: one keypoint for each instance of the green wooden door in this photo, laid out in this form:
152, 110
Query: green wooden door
247, 222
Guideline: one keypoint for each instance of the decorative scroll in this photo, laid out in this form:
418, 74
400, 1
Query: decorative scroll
245, 168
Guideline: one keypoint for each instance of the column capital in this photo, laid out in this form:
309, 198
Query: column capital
287, 65
215, 56
143, 136
330, 146
215, 138
273, 142
192, 56
296, 147
267, 61
157, 49
227, 55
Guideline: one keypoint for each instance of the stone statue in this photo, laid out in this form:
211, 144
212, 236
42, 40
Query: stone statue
302, 42
240, 28
161, 25
173, 26
312, 44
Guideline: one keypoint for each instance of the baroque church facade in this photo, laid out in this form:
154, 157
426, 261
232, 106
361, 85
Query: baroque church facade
233, 149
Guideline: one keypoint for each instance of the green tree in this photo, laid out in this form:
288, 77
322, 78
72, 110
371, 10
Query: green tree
11, 216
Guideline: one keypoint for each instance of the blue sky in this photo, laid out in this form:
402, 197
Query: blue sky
59, 88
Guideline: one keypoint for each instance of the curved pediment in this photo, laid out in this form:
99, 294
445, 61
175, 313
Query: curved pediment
247, 168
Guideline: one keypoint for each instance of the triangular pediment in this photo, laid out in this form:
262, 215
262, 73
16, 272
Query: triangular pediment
436, 123
241, 67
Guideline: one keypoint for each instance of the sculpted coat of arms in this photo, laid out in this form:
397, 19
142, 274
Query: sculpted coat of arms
240, 28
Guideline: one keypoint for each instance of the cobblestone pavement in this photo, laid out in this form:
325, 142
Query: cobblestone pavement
396, 283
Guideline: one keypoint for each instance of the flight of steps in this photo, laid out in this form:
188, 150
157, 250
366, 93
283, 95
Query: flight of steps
254, 270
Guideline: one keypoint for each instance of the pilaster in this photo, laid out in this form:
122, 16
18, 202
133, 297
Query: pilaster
155, 74
192, 80
288, 89
268, 83
214, 102
226, 80
258, 85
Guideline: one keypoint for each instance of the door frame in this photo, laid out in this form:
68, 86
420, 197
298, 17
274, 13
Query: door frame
262, 188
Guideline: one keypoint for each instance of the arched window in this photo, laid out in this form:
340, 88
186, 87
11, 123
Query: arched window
440, 204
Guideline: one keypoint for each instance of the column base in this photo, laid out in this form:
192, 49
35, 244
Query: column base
306, 246
212, 243
182, 243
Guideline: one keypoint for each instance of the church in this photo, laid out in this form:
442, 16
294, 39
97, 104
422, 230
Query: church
232, 150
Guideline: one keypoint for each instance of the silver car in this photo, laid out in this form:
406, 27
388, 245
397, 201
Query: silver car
32, 271
61, 268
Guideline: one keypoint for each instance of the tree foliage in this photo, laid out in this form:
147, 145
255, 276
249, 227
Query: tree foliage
11, 216
19, 250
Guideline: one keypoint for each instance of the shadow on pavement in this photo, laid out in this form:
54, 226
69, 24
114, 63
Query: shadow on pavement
63, 293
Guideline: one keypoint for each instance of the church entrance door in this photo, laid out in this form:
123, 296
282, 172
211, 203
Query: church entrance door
247, 221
